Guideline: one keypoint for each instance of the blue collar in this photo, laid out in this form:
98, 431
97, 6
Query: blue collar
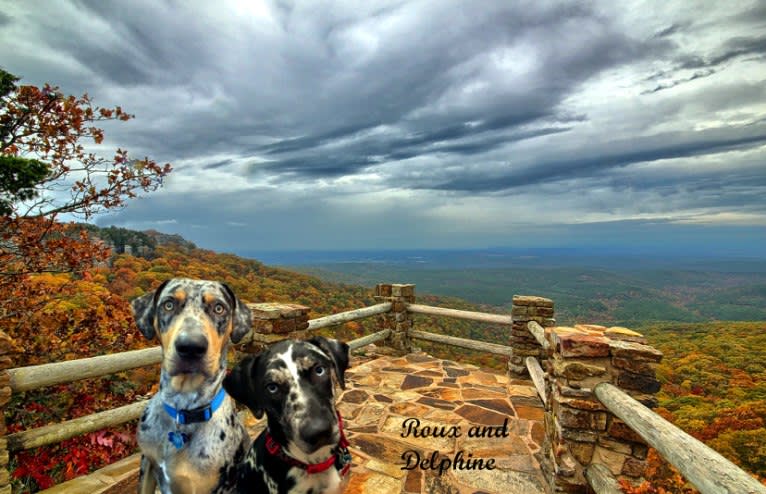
201, 414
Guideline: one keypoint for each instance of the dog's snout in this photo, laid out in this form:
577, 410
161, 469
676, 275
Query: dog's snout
316, 432
191, 346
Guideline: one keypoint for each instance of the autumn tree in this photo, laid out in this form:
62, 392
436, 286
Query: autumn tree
48, 174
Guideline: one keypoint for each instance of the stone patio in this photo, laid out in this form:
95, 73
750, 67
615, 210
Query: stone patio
381, 394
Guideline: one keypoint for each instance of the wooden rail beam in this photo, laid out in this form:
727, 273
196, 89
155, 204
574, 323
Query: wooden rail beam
539, 333
55, 433
704, 467
601, 479
39, 376
479, 346
351, 315
370, 338
460, 314
538, 377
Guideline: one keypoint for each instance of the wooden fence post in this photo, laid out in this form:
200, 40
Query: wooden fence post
7, 348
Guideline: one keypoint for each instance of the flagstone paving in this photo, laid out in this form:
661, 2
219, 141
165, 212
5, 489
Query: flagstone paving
447, 397
383, 393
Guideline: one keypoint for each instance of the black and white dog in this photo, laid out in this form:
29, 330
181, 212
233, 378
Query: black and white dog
303, 450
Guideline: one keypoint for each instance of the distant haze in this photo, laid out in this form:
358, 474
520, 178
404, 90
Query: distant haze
617, 259
634, 127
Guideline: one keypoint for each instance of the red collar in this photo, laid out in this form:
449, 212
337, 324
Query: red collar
341, 458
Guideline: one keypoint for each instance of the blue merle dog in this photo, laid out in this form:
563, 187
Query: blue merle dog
190, 436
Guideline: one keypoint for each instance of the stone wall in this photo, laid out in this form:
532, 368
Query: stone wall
273, 322
398, 320
525, 309
579, 429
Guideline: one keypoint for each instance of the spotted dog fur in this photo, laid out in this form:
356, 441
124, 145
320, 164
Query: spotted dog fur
293, 383
194, 320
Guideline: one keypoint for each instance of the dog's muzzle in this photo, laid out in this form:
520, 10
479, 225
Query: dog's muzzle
317, 432
340, 458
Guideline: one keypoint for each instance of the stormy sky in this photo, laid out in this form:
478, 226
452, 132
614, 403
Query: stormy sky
423, 124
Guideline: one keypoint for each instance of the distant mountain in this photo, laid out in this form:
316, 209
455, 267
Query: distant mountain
154, 256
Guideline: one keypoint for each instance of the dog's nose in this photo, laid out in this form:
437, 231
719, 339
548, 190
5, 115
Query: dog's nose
316, 432
191, 346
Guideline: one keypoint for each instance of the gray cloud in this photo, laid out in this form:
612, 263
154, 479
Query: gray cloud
651, 148
356, 114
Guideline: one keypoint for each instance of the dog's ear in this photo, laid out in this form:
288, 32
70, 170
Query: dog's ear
241, 385
338, 352
243, 318
144, 308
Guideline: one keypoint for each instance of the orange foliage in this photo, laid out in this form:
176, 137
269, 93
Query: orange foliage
84, 315
42, 124
661, 478
714, 388
52, 301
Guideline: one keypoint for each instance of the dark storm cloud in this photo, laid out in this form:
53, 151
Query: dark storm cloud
142, 47
496, 118
734, 48
412, 83
275, 107
217, 164
672, 29
624, 153
692, 65
753, 14
463, 140
671, 84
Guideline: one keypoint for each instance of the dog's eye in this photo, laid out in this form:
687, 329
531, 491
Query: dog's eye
169, 305
219, 309
272, 388
319, 370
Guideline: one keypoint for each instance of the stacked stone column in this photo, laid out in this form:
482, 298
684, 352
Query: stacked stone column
7, 348
527, 308
398, 320
273, 322
579, 429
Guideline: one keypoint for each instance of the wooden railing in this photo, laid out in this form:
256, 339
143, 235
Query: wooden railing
40, 376
705, 468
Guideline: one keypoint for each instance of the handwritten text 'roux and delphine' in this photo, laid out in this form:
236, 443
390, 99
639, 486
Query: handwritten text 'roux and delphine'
461, 460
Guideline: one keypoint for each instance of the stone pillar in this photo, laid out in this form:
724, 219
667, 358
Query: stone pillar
7, 348
579, 429
398, 320
525, 309
274, 322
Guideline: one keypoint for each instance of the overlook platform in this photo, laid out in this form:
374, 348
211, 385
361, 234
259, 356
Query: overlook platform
582, 422
381, 394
